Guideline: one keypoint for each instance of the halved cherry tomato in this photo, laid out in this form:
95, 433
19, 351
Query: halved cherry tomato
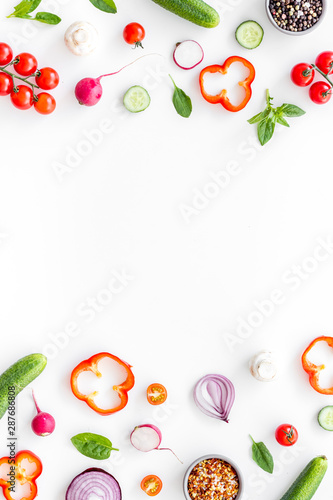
151, 485
286, 435
156, 394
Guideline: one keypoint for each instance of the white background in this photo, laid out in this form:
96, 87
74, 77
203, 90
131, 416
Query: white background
193, 281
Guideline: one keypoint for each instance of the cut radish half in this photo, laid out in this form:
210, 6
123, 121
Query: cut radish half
148, 437
188, 54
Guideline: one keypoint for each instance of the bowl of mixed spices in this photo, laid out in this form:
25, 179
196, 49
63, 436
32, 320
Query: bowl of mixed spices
213, 477
296, 17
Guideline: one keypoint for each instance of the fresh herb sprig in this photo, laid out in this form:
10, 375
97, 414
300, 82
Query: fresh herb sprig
267, 119
26, 7
181, 101
262, 456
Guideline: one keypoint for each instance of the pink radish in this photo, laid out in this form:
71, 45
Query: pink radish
147, 438
188, 54
43, 423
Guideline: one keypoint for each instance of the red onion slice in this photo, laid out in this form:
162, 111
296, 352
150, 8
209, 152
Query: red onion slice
215, 395
94, 484
188, 54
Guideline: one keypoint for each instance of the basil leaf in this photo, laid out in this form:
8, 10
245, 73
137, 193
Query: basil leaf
266, 130
260, 116
262, 456
34, 5
282, 121
47, 18
291, 110
181, 101
105, 5
21, 9
93, 445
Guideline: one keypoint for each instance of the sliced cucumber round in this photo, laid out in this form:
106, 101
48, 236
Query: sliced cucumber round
136, 99
249, 34
325, 418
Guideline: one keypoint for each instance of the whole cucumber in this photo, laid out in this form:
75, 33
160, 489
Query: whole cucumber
18, 376
196, 11
306, 484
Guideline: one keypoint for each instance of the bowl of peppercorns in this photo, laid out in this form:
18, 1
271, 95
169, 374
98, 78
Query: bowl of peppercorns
296, 17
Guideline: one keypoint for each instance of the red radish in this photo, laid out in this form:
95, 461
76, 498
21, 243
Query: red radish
188, 54
147, 438
43, 423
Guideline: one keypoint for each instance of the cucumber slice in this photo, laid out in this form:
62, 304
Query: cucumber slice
325, 418
136, 99
249, 34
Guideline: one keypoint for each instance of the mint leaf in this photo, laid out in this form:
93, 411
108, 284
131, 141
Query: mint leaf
291, 110
262, 456
47, 18
266, 130
93, 445
105, 5
181, 101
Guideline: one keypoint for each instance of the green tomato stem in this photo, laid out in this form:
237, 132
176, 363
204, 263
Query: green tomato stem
323, 74
25, 80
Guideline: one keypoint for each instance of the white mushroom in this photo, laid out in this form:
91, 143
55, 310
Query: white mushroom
263, 366
81, 38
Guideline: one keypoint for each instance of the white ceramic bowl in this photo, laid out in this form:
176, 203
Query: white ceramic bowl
297, 33
207, 457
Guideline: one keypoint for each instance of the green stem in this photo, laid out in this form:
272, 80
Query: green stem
25, 80
268, 98
323, 74
173, 81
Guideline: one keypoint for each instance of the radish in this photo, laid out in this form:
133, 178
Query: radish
43, 423
188, 54
147, 438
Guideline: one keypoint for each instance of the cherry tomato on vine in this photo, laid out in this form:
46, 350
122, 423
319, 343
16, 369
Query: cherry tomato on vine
45, 104
26, 65
22, 98
156, 394
6, 54
6, 84
302, 74
134, 33
151, 485
320, 92
286, 435
47, 78
325, 62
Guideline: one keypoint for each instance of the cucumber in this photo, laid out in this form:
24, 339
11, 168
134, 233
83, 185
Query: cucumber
136, 99
305, 486
18, 376
196, 11
249, 34
325, 418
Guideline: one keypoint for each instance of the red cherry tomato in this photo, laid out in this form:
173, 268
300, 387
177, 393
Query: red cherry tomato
26, 65
134, 33
23, 97
320, 92
325, 62
151, 485
6, 84
302, 74
47, 78
6, 54
156, 394
45, 104
286, 435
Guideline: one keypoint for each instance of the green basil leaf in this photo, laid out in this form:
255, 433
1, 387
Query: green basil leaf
105, 5
282, 121
93, 445
260, 116
292, 110
34, 5
262, 456
21, 9
181, 101
47, 18
266, 130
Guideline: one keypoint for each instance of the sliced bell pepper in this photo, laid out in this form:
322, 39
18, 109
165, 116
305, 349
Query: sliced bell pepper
314, 370
91, 365
222, 97
17, 473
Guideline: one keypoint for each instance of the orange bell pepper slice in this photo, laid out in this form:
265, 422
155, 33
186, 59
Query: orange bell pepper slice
91, 365
222, 97
314, 370
17, 473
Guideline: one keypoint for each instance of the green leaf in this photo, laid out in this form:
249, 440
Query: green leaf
93, 445
34, 5
266, 130
282, 121
262, 456
260, 116
291, 110
105, 5
22, 8
47, 18
181, 101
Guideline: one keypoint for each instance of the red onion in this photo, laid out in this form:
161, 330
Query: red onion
215, 395
94, 483
148, 437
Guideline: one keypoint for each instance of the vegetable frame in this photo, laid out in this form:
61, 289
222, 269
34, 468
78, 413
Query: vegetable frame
91, 365
314, 370
222, 97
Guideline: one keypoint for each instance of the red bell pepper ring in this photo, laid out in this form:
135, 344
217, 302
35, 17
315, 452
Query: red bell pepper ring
222, 97
17, 473
314, 370
91, 365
